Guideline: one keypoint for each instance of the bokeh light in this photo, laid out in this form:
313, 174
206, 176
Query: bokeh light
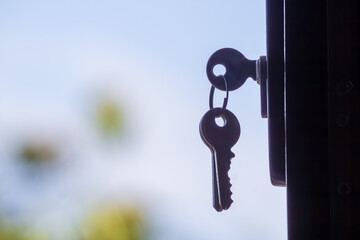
100, 103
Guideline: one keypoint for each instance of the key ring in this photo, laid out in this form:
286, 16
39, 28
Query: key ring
211, 97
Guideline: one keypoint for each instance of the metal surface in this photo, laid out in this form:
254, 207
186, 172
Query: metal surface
344, 117
307, 120
261, 79
322, 119
275, 90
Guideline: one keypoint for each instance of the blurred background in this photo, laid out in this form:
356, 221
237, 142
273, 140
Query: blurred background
100, 103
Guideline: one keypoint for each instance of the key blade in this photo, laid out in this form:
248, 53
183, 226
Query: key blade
221, 180
217, 202
223, 161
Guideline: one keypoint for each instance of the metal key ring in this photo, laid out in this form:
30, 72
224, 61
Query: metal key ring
211, 97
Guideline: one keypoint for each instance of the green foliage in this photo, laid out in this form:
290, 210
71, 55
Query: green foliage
114, 223
37, 153
110, 118
15, 232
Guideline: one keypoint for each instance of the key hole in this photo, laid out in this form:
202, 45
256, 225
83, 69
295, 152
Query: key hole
220, 121
219, 70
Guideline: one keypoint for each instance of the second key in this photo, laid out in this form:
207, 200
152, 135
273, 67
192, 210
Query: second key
220, 140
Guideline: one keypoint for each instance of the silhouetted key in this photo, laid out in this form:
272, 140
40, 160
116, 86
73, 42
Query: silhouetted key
220, 140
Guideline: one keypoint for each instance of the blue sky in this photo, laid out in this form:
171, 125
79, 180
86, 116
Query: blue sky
58, 57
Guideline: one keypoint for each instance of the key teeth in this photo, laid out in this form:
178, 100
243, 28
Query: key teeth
229, 201
225, 186
226, 194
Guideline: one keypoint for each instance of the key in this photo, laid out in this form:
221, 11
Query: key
220, 140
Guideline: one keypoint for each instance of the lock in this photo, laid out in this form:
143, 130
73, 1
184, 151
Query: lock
237, 70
